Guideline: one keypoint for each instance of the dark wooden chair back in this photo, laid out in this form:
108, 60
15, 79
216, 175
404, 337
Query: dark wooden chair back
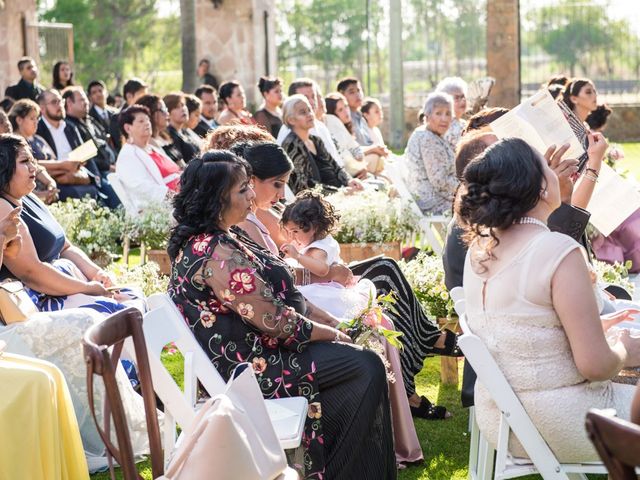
96, 344
617, 442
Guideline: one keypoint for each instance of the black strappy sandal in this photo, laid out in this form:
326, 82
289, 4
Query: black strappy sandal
429, 411
451, 348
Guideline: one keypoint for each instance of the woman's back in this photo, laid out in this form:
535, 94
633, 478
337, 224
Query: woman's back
511, 309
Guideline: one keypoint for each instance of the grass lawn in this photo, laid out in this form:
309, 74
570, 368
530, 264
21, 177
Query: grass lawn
631, 161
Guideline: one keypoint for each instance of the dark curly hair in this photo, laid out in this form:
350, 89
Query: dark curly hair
500, 186
204, 195
10, 146
483, 118
311, 210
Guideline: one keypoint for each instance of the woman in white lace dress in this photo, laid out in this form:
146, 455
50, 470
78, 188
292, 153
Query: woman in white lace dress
430, 160
529, 298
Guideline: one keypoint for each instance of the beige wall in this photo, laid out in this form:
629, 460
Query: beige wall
232, 38
11, 38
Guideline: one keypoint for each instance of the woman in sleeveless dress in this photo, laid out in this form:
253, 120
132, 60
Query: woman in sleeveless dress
529, 298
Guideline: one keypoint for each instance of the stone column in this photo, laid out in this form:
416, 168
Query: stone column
503, 51
238, 38
13, 15
396, 98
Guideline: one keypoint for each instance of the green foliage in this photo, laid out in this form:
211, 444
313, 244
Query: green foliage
617, 274
425, 274
118, 38
372, 217
94, 229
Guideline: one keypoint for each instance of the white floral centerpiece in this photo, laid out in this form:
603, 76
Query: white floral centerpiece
372, 217
96, 230
425, 274
153, 226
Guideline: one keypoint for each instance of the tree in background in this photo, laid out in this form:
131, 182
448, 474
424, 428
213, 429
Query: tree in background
118, 38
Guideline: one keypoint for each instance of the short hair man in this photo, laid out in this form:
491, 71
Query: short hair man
100, 111
28, 86
133, 89
62, 138
351, 88
204, 75
209, 98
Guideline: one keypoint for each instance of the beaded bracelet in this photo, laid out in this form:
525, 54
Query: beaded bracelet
306, 276
592, 170
591, 177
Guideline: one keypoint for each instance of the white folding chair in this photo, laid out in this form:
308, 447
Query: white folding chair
432, 227
513, 417
164, 324
122, 194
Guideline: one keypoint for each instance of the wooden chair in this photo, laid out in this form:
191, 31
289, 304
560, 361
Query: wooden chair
617, 442
96, 344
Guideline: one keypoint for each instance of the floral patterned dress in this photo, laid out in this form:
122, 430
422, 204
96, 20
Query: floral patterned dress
243, 307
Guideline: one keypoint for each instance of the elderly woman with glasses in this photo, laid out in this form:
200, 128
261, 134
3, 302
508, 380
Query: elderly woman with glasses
430, 158
457, 88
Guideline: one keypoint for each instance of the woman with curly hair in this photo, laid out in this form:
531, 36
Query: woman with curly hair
242, 306
530, 299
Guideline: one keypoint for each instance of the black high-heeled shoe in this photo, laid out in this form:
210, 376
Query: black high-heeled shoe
429, 411
450, 348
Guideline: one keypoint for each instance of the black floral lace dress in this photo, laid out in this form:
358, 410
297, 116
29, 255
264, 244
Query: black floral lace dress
244, 318
242, 306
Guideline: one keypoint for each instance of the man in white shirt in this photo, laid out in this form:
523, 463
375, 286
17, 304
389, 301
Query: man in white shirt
72, 178
306, 87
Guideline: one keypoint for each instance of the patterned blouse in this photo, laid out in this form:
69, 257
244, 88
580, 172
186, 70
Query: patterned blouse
455, 132
311, 170
431, 175
242, 306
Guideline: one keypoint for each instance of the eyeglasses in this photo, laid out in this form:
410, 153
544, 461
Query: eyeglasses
457, 98
55, 101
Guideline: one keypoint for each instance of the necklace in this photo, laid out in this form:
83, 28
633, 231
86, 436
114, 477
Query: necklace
533, 221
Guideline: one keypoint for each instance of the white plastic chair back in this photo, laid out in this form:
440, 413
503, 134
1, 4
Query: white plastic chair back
164, 324
121, 192
514, 418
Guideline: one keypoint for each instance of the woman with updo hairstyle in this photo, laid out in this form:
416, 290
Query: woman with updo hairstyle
238, 297
232, 96
270, 115
530, 299
62, 75
581, 96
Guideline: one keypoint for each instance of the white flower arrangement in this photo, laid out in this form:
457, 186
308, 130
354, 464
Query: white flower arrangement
146, 277
617, 274
425, 274
372, 217
95, 229
152, 226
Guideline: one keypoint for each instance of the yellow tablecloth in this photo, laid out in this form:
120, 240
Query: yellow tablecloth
39, 435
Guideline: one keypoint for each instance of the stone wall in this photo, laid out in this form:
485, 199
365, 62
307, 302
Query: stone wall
233, 38
12, 47
624, 124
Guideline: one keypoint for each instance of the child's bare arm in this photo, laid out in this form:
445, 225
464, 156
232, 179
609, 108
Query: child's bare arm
314, 260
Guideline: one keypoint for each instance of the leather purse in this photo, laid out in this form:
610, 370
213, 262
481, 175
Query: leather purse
15, 303
231, 437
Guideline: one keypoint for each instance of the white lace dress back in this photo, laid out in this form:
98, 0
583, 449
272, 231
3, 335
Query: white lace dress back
518, 324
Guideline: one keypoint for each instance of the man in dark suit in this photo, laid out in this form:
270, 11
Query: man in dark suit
204, 75
28, 86
101, 113
209, 98
63, 138
77, 110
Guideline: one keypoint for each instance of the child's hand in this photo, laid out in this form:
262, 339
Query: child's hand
614, 318
290, 251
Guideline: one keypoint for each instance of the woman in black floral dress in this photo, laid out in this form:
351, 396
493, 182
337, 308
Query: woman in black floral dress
242, 306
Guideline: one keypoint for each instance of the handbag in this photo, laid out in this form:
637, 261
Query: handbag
15, 303
231, 437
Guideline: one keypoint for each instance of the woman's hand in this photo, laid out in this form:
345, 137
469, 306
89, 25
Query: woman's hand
597, 148
354, 185
104, 278
632, 346
614, 318
9, 226
12, 249
290, 251
96, 289
564, 170
342, 337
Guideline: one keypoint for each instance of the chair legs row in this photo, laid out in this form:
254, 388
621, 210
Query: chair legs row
481, 453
